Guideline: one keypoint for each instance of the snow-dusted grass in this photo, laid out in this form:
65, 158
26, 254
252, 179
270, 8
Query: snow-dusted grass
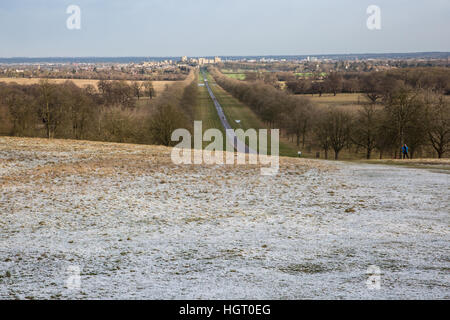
140, 227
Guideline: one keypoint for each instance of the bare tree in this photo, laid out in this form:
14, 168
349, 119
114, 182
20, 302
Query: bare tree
149, 89
365, 129
79, 109
298, 119
438, 123
322, 133
371, 86
403, 109
317, 87
385, 135
163, 122
333, 83
20, 108
103, 86
49, 108
339, 123
136, 89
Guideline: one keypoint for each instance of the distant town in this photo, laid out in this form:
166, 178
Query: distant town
177, 68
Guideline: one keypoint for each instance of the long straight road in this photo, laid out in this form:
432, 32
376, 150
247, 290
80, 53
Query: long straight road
237, 144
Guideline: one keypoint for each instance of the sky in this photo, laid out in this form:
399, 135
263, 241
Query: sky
110, 28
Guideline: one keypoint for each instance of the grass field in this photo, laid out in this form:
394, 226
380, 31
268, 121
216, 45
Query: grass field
139, 226
238, 76
224, 71
205, 110
234, 74
345, 101
339, 99
308, 74
158, 85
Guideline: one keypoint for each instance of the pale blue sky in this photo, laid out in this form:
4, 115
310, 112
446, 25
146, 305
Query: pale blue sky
37, 28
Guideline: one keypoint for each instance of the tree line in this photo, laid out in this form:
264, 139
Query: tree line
396, 112
112, 112
374, 84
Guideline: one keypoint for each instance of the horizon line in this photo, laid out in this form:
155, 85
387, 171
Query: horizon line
234, 55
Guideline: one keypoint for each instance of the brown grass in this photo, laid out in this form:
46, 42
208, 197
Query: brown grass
32, 159
345, 101
158, 85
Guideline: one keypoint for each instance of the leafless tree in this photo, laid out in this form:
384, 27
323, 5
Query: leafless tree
298, 119
136, 89
403, 109
333, 83
438, 123
149, 89
163, 122
365, 129
339, 123
50, 109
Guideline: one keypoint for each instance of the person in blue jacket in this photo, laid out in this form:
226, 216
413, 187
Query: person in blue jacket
405, 151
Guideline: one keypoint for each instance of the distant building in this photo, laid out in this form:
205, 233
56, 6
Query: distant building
183, 59
202, 61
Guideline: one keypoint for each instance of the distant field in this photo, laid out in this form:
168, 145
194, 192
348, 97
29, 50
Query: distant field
238, 76
236, 71
345, 101
309, 74
340, 98
158, 85
235, 74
